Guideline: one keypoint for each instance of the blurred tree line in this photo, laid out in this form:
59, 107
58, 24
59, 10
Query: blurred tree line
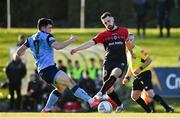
66, 13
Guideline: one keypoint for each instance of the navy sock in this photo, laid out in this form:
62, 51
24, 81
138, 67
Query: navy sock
115, 98
159, 99
141, 102
108, 84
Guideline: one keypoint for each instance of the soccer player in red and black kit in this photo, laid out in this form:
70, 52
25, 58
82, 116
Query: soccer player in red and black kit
115, 41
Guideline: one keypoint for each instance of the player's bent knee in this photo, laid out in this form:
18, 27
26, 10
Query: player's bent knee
71, 83
116, 72
71, 86
61, 88
63, 79
150, 93
135, 95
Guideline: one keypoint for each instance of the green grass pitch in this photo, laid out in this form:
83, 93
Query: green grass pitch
89, 115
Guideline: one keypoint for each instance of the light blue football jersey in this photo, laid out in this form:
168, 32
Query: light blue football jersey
40, 46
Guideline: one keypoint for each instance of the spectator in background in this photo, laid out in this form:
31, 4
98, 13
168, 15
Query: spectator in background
100, 70
99, 81
163, 15
15, 71
93, 70
61, 66
77, 71
21, 40
140, 7
88, 84
34, 94
67, 97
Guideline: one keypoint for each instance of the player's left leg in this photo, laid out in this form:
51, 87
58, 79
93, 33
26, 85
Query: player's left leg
112, 94
147, 85
116, 72
62, 79
61, 82
148, 100
52, 99
159, 99
108, 87
136, 95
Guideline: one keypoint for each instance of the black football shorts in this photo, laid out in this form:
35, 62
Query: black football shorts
143, 81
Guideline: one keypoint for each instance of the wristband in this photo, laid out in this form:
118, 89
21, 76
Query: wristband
141, 67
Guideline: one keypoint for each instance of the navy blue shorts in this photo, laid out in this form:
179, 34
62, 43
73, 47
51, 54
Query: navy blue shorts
48, 74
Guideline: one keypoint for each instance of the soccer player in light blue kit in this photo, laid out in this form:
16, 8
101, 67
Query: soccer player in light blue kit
41, 45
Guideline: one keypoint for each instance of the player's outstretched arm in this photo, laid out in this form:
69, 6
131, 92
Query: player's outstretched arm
83, 46
62, 45
20, 51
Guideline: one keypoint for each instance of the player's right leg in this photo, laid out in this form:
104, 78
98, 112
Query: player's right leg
112, 94
116, 72
48, 74
53, 98
136, 95
110, 77
146, 78
63, 80
160, 100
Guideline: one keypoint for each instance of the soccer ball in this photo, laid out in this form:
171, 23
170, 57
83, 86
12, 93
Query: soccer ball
105, 107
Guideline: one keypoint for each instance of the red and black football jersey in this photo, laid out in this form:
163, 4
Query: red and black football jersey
114, 44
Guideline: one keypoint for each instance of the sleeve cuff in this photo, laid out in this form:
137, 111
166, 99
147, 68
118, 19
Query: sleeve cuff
94, 41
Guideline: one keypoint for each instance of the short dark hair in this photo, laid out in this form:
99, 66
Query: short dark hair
105, 14
60, 61
69, 61
43, 22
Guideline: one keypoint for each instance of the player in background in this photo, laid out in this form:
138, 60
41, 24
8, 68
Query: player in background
115, 41
41, 45
139, 68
